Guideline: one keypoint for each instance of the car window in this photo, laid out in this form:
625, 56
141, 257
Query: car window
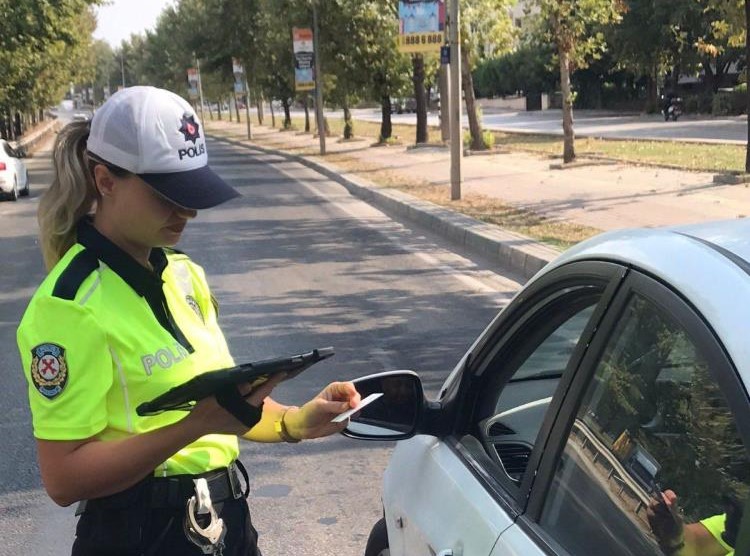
522, 381
8, 150
652, 419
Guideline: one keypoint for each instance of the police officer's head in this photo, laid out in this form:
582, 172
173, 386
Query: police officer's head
144, 149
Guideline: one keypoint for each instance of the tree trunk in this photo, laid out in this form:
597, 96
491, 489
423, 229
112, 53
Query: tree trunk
236, 109
444, 88
652, 102
420, 97
307, 113
273, 115
386, 127
747, 62
287, 114
569, 152
467, 83
709, 77
348, 124
218, 110
259, 106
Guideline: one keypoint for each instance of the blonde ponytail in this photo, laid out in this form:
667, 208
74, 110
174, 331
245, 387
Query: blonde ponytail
71, 195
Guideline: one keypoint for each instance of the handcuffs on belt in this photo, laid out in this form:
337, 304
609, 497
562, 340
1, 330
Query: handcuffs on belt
209, 539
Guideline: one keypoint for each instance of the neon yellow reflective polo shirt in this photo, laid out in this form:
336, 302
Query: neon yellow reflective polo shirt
716, 526
103, 334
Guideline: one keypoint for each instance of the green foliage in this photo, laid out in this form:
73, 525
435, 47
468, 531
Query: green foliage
43, 45
488, 139
575, 26
526, 69
486, 28
730, 103
698, 104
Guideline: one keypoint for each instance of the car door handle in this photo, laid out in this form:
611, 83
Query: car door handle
448, 552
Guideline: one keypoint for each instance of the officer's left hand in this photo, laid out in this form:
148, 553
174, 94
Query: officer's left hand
313, 420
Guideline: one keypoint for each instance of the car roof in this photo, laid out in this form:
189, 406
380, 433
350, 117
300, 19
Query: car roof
708, 264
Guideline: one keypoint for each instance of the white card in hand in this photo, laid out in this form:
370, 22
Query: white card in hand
346, 414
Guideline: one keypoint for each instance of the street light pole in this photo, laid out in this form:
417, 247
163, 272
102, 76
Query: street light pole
122, 67
318, 82
455, 104
200, 85
247, 109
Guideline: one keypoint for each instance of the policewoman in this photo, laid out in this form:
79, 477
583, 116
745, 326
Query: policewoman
122, 317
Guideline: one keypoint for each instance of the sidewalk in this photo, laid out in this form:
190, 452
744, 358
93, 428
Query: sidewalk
600, 197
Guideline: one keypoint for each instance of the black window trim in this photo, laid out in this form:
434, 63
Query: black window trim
581, 275
699, 331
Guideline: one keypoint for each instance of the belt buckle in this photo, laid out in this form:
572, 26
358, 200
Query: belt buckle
234, 481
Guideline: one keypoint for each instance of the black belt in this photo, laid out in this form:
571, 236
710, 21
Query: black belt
223, 484
174, 491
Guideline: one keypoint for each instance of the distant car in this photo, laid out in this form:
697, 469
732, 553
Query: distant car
14, 177
410, 105
81, 117
620, 371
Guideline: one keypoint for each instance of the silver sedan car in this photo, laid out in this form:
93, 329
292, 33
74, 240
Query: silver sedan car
604, 411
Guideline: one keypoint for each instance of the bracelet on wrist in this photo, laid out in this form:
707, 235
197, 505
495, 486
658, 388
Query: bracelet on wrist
280, 427
671, 549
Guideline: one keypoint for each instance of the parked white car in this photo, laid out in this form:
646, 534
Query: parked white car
616, 379
14, 177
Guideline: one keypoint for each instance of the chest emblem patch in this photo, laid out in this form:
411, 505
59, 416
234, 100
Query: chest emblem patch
49, 370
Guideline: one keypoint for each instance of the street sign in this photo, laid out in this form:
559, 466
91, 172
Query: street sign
445, 54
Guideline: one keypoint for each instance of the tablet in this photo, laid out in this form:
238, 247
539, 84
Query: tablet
185, 396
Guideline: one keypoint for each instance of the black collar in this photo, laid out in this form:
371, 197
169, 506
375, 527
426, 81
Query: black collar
144, 281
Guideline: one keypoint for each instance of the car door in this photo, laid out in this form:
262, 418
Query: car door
453, 495
655, 406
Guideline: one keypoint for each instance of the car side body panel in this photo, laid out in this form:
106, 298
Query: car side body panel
433, 503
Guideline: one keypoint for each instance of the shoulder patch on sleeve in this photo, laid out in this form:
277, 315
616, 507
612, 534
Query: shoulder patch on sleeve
49, 370
80, 267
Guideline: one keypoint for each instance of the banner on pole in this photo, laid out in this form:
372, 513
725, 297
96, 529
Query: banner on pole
421, 25
192, 76
302, 40
239, 78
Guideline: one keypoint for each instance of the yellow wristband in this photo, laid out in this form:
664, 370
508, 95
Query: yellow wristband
280, 427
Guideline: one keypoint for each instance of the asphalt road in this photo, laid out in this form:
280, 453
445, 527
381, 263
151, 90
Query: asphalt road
596, 124
295, 263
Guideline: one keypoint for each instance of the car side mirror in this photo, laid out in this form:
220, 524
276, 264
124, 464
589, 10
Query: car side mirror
392, 416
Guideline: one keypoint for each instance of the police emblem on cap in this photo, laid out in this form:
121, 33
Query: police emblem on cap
49, 371
190, 128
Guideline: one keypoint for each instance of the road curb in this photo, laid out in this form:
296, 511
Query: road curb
516, 252
31, 141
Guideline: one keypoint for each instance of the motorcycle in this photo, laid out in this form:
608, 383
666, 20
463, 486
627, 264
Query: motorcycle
672, 109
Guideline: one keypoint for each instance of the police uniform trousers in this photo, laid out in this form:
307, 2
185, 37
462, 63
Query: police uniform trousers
148, 519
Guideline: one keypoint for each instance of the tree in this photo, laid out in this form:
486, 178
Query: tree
646, 41
42, 45
486, 30
731, 26
571, 25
